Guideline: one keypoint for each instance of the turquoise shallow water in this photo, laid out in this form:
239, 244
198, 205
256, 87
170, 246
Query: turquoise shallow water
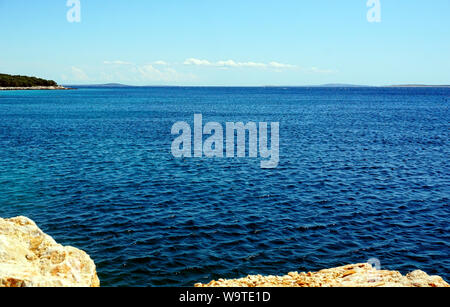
363, 173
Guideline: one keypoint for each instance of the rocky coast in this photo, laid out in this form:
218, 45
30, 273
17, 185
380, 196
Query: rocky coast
34, 88
30, 258
354, 275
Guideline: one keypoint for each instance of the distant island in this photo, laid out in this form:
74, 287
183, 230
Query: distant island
342, 85
16, 82
417, 85
331, 85
107, 85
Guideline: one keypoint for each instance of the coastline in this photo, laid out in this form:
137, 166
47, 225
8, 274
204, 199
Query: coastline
31, 258
361, 275
34, 88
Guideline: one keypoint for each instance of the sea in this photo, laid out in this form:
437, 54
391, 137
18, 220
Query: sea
363, 174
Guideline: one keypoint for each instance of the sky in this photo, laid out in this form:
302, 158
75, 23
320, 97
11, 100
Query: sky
228, 42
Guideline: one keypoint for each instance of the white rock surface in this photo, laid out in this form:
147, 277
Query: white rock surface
30, 258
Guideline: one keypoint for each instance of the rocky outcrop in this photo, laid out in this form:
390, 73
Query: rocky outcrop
30, 258
58, 87
355, 275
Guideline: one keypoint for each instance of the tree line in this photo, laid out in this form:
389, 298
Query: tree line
24, 81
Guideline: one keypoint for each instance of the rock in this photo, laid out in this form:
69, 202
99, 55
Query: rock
30, 258
57, 87
354, 275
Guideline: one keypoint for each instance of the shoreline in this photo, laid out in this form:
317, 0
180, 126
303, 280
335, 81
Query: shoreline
31, 258
361, 275
35, 88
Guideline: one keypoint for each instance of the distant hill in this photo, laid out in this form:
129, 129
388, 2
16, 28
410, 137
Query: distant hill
107, 85
24, 81
330, 85
399, 85
342, 85
417, 85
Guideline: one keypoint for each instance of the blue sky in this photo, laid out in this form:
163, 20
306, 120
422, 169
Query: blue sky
232, 42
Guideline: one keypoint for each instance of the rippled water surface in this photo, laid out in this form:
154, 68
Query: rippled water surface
363, 173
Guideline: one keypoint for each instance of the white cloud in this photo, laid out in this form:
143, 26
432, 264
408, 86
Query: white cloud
235, 64
253, 65
121, 71
281, 65
78, 74
150, 73
117, 62
161, 63
164, 72
229, 63
198, 62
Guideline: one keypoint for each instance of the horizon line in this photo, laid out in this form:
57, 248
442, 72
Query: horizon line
329, 85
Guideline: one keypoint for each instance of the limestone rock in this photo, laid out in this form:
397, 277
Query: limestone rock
58, 87
354, 275
30, 258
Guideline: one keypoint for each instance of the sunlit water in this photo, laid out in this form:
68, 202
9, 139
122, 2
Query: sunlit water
363, 173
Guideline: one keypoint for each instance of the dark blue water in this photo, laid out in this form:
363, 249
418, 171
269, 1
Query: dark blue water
363, 173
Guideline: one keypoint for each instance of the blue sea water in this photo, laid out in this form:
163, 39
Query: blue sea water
364, 173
